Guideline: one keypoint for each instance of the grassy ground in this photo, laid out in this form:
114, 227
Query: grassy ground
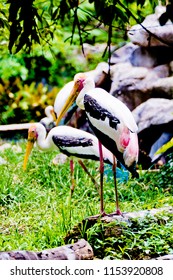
36, 212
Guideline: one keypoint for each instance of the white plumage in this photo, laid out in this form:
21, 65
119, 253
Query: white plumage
69, 140
62, 97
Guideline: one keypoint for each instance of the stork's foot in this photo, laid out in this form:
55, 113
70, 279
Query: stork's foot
101, 215
117, 213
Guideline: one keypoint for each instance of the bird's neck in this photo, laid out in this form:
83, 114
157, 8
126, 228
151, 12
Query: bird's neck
44, 142
89, 84
80, 99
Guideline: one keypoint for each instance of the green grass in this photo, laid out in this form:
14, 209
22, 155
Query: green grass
37, 213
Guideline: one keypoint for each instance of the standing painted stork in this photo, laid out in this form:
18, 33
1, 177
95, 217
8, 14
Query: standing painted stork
111, 121
69, 140
98, 76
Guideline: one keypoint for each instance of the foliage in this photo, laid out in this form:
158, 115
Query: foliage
165, 147
163, 179
10, 67
30, 82
31, 22
36, 212
26, 102
141, 239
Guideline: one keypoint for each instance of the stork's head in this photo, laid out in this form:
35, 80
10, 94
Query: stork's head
32, 137
50, 119
79, 82
131, 153
50, 113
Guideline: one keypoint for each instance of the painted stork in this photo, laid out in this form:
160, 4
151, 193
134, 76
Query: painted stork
69, 140
111, 121
50, 119
49, 122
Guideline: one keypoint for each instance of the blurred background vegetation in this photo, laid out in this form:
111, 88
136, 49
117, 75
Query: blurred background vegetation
42, 47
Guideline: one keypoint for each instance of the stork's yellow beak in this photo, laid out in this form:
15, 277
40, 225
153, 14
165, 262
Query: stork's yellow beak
78, 85
31, 139
70, 100
53, 115
28, 151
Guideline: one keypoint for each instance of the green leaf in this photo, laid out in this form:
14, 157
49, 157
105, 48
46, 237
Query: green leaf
165, 147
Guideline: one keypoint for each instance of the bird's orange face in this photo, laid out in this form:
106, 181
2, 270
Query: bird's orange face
32, 133
78, 86
32, 137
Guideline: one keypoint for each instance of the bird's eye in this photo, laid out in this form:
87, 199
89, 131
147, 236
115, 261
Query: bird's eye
33, 131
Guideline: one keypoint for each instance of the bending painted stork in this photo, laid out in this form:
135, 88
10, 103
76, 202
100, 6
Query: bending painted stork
70, 141
111, 121
49, 122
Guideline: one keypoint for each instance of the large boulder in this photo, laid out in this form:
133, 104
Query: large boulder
134, 85
142, 56
151, 56
155, 111
162, 88
150, 32
155, 121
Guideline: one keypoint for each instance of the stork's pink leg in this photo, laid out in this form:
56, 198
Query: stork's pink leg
89, 174
102, 212
72, 177
118, 212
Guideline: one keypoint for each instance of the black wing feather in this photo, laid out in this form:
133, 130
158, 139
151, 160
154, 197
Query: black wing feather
70, 141
93, 109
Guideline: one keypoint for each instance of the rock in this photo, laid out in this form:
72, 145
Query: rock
123, 54
162, 88
100, 76
165, 257
134, 85
5, 146
93, 49
150, 32
151, 56
2, 161
162, 71
60, 159
15, 148
155, 121
159, 111
81, 250
143, 56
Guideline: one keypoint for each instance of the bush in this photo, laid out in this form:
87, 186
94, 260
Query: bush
26, 102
